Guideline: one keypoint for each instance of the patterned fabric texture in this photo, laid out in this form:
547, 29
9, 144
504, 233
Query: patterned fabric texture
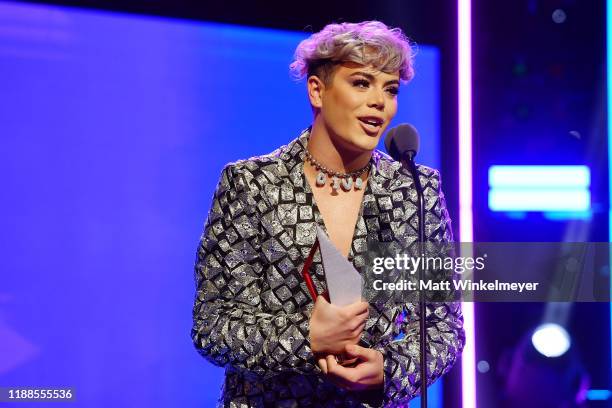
252, 308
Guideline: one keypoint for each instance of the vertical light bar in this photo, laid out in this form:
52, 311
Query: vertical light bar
464, 24
609, 100
465, 122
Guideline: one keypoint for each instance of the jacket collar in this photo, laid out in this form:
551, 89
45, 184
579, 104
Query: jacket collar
384, 179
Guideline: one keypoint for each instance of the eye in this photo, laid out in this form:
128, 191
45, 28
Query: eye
393, 90
361, 83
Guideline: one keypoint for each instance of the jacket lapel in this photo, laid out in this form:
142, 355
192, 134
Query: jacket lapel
383, 216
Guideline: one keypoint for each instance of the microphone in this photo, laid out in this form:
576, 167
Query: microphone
402, 141
402, 144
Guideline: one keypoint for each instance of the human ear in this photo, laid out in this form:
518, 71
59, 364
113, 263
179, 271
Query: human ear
315, 91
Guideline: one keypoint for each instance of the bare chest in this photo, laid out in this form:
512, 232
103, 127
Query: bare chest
339, 213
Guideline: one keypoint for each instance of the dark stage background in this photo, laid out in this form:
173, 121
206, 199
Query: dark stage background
539, 98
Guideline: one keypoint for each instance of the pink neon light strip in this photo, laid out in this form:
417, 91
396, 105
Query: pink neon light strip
468, 371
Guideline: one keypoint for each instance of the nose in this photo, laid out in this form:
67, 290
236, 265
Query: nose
377, 99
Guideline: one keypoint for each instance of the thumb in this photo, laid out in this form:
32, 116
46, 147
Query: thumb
321, 299
354, 350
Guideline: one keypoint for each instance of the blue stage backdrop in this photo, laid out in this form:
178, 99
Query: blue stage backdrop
114, 130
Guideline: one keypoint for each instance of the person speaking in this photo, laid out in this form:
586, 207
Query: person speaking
253, 312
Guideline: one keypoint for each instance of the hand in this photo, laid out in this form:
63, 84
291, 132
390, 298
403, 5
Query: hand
367, 374
332, 328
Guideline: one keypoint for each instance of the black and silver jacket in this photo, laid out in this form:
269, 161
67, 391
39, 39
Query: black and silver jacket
252, 308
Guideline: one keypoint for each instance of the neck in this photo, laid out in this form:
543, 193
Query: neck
328, 151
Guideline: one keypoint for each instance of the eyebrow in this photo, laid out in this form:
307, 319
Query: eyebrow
371, 77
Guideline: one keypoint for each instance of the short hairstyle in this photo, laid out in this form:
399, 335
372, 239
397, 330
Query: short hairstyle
368, 43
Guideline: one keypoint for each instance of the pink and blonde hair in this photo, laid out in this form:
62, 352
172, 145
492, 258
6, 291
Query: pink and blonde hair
367, 43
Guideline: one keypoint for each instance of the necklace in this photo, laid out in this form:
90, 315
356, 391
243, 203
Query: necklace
344, 180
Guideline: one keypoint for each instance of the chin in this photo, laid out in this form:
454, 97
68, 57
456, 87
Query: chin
358, 142
365, 143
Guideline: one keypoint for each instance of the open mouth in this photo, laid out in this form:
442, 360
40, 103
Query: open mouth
371, 124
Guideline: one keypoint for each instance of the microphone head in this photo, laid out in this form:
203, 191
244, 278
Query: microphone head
401, 140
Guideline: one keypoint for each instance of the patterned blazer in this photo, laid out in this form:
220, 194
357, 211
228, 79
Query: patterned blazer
252, 308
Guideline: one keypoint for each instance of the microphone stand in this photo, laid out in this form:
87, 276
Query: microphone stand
407, 161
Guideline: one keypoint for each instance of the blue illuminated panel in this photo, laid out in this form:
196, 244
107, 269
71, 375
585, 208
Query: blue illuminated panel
113, 133
564, 177
598, 395
560, 189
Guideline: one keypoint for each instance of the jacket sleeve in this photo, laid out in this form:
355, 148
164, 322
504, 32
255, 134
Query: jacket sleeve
229, 325
444, 322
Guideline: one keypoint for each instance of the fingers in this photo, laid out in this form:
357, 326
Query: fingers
333, 367
357, 308
331, 326
322, 362
355, 330
331, 361
354, 350
342, 375
357, 311
321, 302
338, 381
363, 315
358, 319
357, 325
346, 362
322, 299
351, 376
